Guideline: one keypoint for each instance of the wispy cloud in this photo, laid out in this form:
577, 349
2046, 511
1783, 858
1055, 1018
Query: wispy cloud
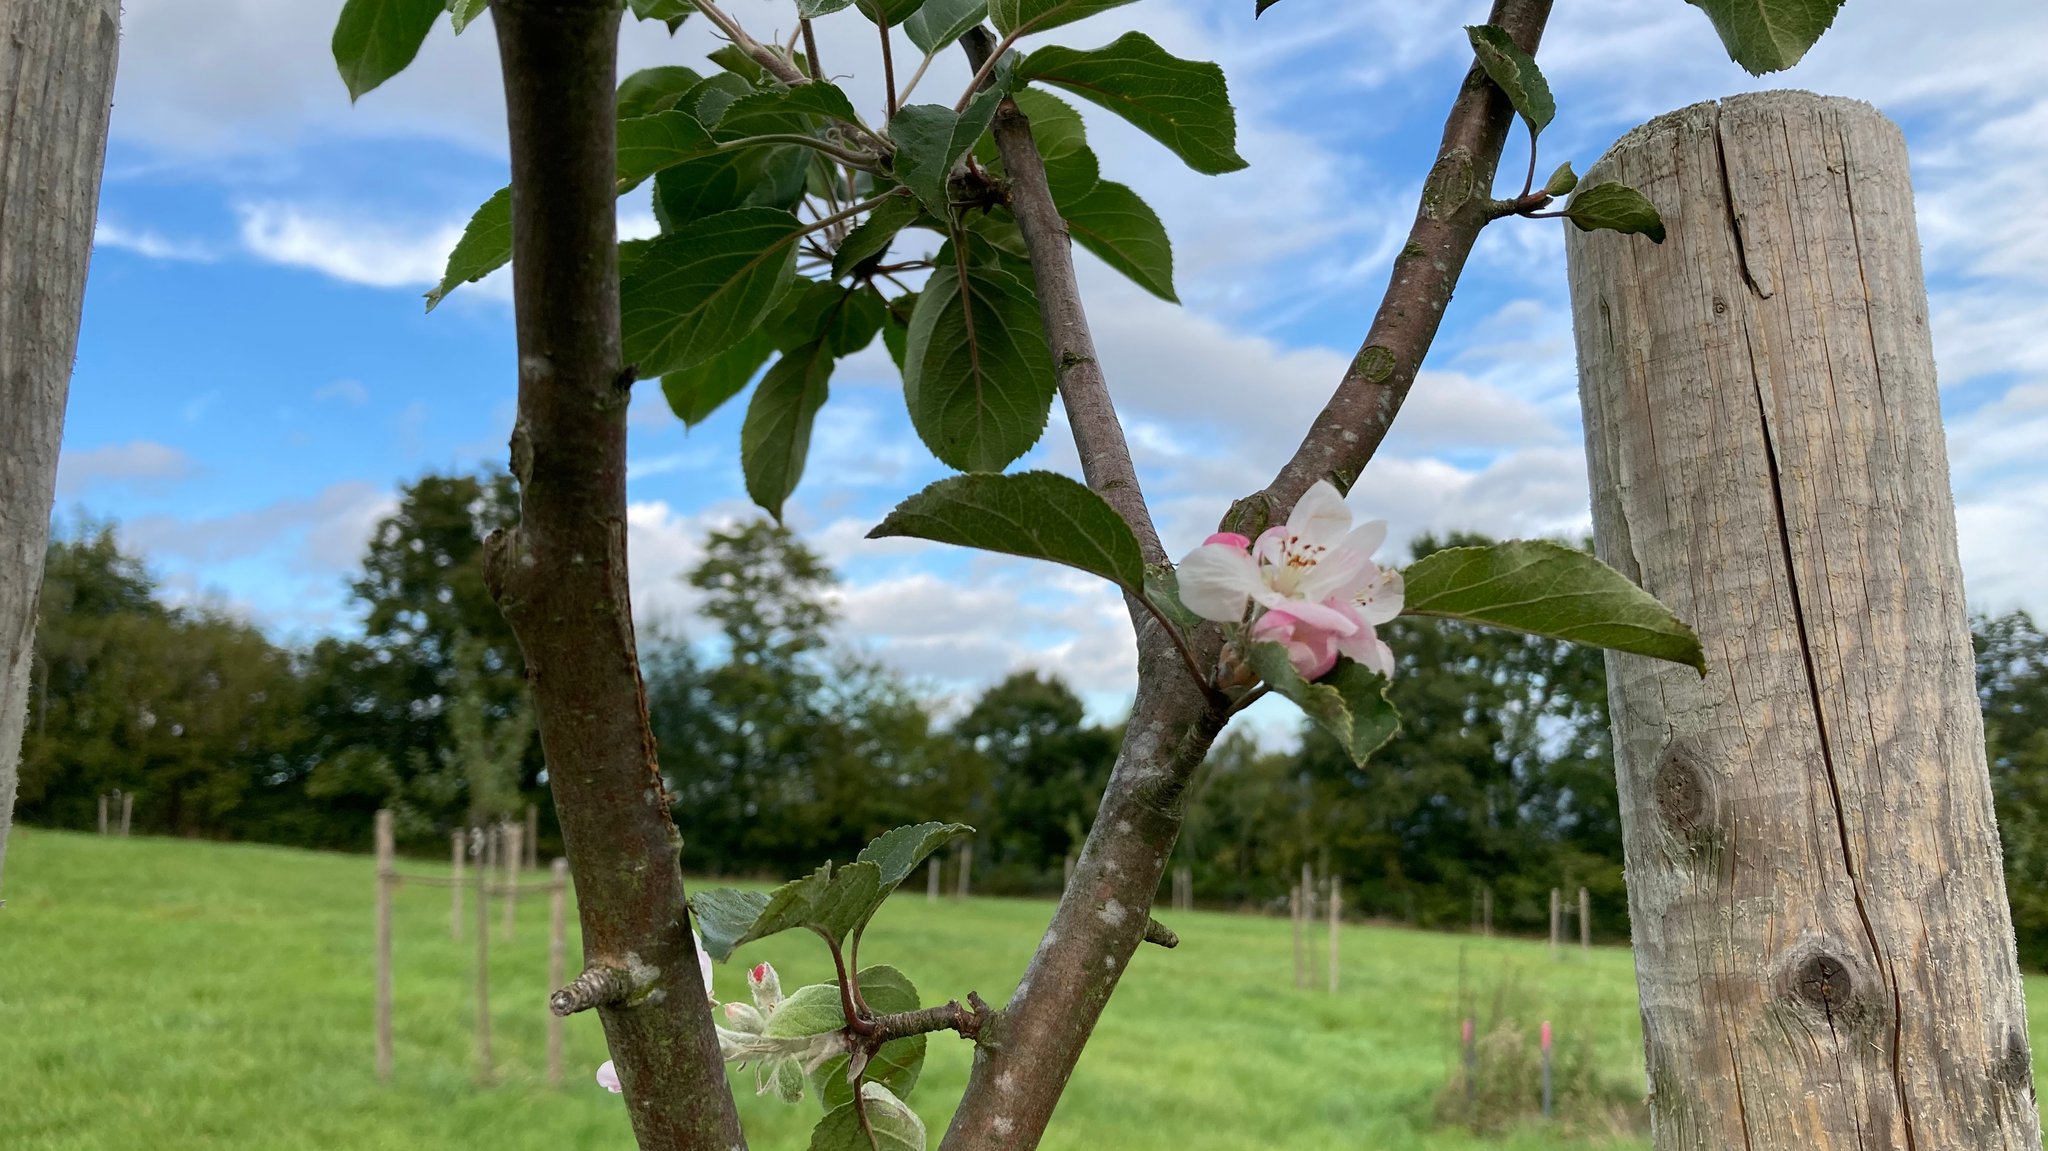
131, 463
143, 242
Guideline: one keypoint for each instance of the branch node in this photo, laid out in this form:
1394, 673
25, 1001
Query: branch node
598, 986
1159, 933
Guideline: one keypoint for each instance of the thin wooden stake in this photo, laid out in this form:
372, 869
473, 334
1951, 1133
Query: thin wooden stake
103, 813
385, 881
1556, 919
127, 808
1294, 914
483, 959
532, 838
1585, 920
456, 845
558, 943
931, 881
1067, 872
966, 865
1336, 920
513, 856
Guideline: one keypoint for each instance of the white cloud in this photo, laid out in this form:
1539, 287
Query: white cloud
143, 242
135, 462
323, 534
355, 250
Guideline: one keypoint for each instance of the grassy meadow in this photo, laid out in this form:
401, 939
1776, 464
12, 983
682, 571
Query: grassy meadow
170, 995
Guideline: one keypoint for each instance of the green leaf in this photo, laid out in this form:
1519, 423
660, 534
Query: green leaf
1548, 589
812, 9
898, 852
375, 39
1112, 222
896, 328
810, 1010
647, 144
701, 289
724, 915
694, 393
670, 12
1184, 104
1349, 703
652, 90
1562, 181
769, 177
1261, 9
1018, 17
784, 110
485, 246
899, 1062
872, 236
1768, 35
896, 1127
940, 22
775, 439
462, 13
1162, 590
977, 377
1615, 207
713, 95
930, 139
1515, 73
888, 12
1037, 515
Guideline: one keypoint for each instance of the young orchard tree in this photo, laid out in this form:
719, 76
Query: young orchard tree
794, 229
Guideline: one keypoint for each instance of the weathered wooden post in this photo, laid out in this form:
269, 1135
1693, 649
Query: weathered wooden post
966, 865
103, 813
931, 881
1585, 920
1556, 919
456, 845
387, 879
127, 809
1295, 908
58, 57
1822, 939
558, 946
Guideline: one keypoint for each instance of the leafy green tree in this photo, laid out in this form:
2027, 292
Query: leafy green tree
1046, 766
2012, 682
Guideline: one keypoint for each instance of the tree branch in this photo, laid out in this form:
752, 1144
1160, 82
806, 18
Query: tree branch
778, 66
949, 1016
1455, 206
560, 573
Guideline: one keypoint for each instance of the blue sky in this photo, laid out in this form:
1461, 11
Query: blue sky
257, 375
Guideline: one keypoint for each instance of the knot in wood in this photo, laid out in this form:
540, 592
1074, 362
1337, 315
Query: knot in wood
2015, 1066
1680, 788
1824, 982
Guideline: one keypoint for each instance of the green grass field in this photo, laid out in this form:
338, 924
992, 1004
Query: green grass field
169, 995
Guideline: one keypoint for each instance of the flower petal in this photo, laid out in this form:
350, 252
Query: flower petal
704, 963
1214, 581
1320, 516
1381, 600
1329, 616
1228, 539
608, 1077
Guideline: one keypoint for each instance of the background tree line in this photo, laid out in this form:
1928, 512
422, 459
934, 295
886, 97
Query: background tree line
784, 748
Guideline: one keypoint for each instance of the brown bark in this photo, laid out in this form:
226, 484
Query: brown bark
560, 574
57, 60
1456, 206
1821, 930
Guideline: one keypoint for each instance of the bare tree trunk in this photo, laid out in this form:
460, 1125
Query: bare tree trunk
1822, 937
560, 574
57, 62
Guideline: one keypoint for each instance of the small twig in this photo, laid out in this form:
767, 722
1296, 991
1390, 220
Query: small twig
856, 210
948, 1016
811, 50
857, 159
1251, 697
763, 55
1180, 642
987, 67
860, 1108
598, 986
1160, 934
903, 97
1529, 181
888, 70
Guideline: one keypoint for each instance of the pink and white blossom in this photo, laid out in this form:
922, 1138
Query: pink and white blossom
608, 1077
1311, 585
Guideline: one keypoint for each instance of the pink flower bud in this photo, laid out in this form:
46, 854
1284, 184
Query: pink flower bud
1229, 539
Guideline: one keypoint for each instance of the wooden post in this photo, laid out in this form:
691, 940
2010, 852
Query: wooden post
127, 809
58, 57
931, 881
532, 837
455, 851
386, 880
1556, 919
1295, 905
1486, 912
1585, 920
1067, 872
483, 959
1336, 920
1822, 939
513, 856
558, 945
966, 865
103, 813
